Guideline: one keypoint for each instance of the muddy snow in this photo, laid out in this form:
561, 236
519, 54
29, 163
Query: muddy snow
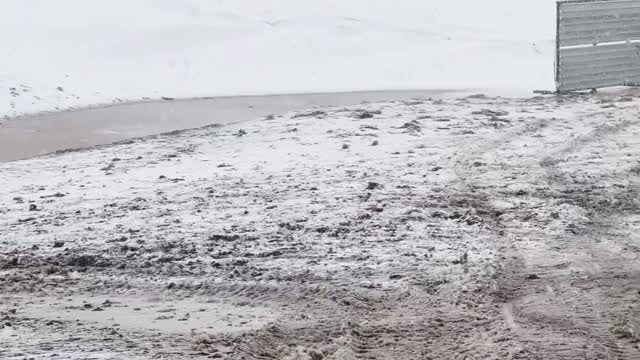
471, 228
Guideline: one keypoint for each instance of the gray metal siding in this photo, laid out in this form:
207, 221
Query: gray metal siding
586, 56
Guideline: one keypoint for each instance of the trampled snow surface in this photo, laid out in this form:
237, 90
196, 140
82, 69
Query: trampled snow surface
476, 228
104, 51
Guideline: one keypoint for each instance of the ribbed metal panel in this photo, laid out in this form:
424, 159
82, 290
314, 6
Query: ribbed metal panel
599, 35
599, 66
596, 44
598, 21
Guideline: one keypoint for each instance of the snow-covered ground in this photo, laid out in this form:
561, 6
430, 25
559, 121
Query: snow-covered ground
63, 53
475, 228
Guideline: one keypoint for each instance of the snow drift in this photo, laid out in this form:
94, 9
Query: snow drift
74, 52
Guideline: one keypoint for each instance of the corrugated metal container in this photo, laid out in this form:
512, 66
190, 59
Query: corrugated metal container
598, 44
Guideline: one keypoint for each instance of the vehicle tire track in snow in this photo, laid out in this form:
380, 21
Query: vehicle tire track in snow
550, 295
398, 250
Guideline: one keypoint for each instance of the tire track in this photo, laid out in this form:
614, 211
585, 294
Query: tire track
548, 302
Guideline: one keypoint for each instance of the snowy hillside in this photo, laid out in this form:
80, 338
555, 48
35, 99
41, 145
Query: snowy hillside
65, 53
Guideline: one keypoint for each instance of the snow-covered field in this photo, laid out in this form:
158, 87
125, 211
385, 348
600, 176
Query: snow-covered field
69, 53
476, 228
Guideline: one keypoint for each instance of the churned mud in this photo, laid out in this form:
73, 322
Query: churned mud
476, 228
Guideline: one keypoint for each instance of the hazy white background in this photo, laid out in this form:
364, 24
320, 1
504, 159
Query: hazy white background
128, 49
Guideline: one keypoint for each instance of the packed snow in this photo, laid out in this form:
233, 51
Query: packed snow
69, 53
